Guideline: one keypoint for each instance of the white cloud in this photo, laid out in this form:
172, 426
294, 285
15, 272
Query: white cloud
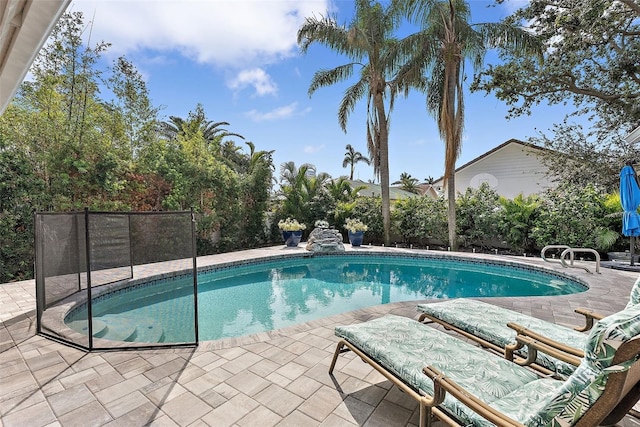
226, 33
311, 149
277, 114
257, 78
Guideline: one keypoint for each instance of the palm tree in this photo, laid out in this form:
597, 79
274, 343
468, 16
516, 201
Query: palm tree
408, 183
368, 42
351, 157
341, 191
197, 121
439, 52
294, 183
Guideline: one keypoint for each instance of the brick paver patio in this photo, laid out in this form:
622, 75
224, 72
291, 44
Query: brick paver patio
278, 378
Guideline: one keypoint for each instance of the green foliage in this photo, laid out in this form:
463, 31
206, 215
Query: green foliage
421, 218
408, 183
110, 153
255, 188
479, 213
591, 54
518, 217
21, 192
365, 209
569, 216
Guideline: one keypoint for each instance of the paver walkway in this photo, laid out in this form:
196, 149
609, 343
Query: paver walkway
271, 379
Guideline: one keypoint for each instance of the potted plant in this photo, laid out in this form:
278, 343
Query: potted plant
291, 231
355, 229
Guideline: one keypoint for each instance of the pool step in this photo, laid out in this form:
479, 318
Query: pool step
99, 327
132, 329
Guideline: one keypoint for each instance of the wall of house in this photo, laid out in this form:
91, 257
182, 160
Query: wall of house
511, 170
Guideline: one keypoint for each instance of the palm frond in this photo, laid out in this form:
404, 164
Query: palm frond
351, 96
323, 78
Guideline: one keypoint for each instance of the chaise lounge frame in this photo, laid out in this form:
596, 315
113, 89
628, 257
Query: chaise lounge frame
621, 393
549, 346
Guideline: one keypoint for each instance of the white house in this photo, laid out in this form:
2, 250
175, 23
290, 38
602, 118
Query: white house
511, 168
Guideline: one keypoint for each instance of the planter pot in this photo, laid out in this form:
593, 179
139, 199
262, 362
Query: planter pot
356, 238
292, 238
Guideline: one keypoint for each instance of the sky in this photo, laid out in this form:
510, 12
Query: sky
240, 60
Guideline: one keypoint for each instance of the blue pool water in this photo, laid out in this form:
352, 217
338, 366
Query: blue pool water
272, 295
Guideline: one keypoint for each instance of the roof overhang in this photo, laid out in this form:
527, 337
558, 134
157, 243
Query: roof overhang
633, 137
24, 27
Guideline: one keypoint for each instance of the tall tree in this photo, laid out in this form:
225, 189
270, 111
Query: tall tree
591, 57
352, 157
446, 41
368, 41
132, 104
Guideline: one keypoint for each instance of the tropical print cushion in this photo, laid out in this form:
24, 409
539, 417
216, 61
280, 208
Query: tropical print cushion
609, 334
525, 403
489, 322
634, 298
587, 383
403, 347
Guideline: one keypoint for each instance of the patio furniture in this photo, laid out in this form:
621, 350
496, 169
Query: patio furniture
495, 328
461, 384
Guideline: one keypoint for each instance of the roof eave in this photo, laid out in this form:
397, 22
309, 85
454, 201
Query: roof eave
21, 37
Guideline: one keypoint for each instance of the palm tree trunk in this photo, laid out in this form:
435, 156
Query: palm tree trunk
451, 211
383, 147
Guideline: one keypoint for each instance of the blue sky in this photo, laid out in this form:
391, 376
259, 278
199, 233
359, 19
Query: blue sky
239, 59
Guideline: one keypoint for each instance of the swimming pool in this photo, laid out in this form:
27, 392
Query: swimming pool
270, 295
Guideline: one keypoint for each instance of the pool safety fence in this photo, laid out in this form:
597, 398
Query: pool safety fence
99, 273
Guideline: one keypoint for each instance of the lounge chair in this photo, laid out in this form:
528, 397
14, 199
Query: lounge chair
462, 384
495, 328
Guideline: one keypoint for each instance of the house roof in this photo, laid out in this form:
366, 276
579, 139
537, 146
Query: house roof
633, 137
499, 147
24, 27
375, 190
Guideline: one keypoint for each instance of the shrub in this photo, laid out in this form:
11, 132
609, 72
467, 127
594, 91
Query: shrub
478, 217
421, 218
569, 215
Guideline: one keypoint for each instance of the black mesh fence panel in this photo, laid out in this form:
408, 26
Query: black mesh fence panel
110, 248
139, 290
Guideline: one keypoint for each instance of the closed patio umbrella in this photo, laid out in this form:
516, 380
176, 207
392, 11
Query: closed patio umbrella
630, 199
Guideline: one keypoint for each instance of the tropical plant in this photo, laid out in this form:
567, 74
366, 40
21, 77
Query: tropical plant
591, 52
408, 183
255, 189
341, 191
351, 157
438, 54
517, 221
368, 42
